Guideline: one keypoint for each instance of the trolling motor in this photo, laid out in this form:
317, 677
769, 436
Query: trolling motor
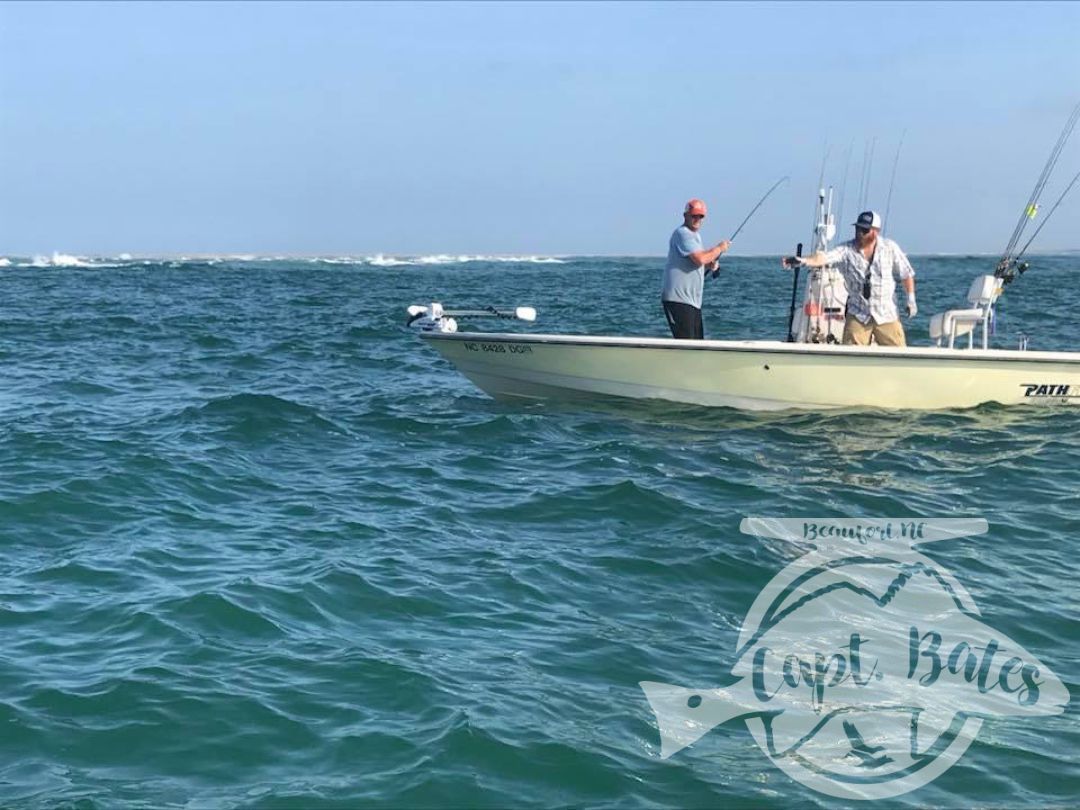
435, 318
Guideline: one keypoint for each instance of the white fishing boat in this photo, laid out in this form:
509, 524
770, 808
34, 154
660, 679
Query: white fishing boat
810, 370
756, 374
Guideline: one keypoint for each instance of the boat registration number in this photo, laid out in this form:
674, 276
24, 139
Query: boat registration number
499, 348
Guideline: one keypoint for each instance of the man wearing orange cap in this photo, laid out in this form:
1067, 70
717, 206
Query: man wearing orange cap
684, 274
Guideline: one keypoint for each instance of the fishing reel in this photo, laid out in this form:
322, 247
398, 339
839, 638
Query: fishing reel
1007, 271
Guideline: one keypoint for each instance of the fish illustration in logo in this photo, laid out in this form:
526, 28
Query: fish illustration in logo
863, 671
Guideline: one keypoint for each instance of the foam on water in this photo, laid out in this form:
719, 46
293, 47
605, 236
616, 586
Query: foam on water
59, 260
387, 261
376, 260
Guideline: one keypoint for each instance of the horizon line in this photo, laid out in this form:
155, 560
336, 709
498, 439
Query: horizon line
250, 256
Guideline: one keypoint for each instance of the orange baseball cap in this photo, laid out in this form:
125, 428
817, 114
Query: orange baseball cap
696, 207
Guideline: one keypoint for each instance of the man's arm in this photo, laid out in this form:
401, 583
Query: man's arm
701, 257
819, 259
909, 288
907, 278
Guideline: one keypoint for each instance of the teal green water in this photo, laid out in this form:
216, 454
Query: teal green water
260, 546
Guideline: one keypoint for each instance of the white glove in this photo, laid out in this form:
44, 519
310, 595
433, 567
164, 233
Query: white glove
912, 307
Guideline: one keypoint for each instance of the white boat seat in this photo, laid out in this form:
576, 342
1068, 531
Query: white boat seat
949, 325
984, 290
955, 322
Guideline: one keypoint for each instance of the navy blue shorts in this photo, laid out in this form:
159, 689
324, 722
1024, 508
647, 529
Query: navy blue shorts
684, 320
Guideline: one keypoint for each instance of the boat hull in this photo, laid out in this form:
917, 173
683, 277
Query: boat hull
757, 375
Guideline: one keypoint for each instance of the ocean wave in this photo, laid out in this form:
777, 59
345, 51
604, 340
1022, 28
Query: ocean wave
445, 259
331, 260
383, 260
58, 259
260, 417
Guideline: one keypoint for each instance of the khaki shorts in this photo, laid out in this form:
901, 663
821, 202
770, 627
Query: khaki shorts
886, 334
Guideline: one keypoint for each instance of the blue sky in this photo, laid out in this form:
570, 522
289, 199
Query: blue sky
359, 128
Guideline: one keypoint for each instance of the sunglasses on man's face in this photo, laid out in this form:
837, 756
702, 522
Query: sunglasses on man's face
862, 231
697, 216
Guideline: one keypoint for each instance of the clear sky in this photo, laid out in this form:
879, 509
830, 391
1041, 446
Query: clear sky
560, 128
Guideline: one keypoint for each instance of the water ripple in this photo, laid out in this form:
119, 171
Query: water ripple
262, 547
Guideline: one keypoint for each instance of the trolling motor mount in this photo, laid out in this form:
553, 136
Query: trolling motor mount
432, 318
436, 318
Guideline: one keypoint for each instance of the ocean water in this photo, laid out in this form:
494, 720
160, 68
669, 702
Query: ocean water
261, 547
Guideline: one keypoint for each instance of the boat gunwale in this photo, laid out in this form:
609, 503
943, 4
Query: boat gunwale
774, 347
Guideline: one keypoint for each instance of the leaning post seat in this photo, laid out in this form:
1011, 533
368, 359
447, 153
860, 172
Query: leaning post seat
949, 325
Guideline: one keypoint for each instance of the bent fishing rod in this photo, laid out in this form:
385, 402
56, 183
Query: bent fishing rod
753, 211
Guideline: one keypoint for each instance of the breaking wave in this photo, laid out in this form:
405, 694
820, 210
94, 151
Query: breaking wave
58, 259
391, 261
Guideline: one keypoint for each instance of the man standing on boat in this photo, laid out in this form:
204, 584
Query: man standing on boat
684, 274
870, 264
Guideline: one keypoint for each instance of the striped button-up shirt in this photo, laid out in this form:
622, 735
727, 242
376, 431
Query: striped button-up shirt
889, 264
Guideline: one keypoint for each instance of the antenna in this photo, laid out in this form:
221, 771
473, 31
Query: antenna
820, 185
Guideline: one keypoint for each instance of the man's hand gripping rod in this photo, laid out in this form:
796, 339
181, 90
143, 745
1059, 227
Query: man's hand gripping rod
753, 211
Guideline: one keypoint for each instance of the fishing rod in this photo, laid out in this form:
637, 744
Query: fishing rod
1015, 266
753, 210
1005, 267
1049, 214
892, 181
867, 172
843, 183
